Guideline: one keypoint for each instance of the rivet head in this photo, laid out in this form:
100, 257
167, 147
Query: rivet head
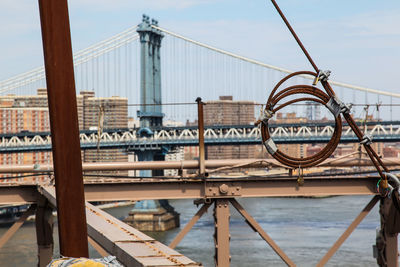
223, 188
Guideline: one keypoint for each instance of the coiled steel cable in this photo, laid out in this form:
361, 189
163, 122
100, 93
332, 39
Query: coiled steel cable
271, 108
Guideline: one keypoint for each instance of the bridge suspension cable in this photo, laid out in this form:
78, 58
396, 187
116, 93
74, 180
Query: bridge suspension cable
80, 57
341, 84
189, 69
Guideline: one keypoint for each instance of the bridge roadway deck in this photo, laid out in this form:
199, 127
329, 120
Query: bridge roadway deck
130, 246
166, 188
130, 139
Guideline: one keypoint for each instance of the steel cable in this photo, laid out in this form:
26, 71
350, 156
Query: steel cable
272, 107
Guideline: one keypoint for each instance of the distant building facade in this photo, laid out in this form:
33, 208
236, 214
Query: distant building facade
226, 111
294, 150
30, 113
15, 120
102, 113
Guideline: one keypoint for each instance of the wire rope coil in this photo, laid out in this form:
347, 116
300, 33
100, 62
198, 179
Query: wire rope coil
313, 94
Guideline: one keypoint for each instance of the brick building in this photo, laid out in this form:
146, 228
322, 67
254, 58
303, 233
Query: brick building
14, 120
225, 111
294, 150
30, 113
102, 113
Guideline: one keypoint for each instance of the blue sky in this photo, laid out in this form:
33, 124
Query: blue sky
358, 40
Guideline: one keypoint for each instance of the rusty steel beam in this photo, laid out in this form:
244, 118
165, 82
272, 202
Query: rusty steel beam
14, 228
18, 195
221, 234
387, 243
200, 123
187, 164
193, 189
348, 231
392, 251
189, 225
64, 127
130, 246
44, 231
257, 228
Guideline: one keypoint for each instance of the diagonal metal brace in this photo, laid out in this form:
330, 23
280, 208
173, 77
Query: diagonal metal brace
189, 225
256, 227
348, 231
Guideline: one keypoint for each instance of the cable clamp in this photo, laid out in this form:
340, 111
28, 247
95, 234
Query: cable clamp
323, 75
336, 106
345, 108
270, 146
393, 178
366, 140
265, 115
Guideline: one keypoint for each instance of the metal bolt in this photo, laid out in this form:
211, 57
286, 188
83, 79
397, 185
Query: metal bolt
224, 188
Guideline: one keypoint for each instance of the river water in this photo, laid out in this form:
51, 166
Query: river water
304, 228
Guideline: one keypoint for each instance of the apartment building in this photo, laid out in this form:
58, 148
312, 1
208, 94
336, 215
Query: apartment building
30, 113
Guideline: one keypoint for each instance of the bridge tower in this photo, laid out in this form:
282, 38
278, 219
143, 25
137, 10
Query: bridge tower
151, 215
150, 80
150, 113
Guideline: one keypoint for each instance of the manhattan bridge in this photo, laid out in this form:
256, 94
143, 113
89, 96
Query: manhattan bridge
191, 69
